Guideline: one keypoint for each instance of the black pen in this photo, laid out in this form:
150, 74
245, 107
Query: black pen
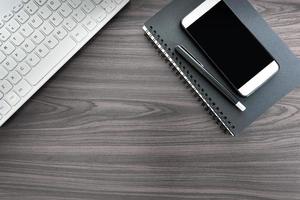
200, 68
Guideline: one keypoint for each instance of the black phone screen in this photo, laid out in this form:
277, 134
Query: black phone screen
230, 45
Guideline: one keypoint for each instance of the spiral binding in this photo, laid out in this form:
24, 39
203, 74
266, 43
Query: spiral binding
177, 67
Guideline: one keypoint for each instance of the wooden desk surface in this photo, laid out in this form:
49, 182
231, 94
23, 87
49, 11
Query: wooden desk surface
115, 123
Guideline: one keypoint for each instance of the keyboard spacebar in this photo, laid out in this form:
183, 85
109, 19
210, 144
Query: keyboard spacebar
50, 61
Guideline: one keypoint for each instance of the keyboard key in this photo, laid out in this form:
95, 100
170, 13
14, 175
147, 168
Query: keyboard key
14, 77
6, 17
23, 68
35, 21
28, 46
98, 14
45, 12
1, 97
22, 16
60, 33
111, 5
4, 34
13, 25
7, 48
47, 28
53, 4
37, 37
26, 30
118, 1
41, 2
4, 108
97, 1
32, 60
89, 23
17, 7
65, 10
2, 57
42, 50
9, 63
79, 33
19, 55
39, 72
12, 98
56, 19
3, 73
74, 3
87, 6
78, 15
51, 42
17, 39
31, 7
5, 86
104, 4
22, 88
69, 24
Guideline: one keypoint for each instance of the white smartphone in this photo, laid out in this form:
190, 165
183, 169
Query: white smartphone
230, 46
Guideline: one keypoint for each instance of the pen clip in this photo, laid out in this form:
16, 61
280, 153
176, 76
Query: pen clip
191, 55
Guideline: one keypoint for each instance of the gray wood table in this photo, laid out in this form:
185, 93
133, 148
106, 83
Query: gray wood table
115, 123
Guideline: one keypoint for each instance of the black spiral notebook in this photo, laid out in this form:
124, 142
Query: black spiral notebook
165, 31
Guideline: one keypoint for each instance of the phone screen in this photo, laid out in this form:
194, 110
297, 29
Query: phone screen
230, 45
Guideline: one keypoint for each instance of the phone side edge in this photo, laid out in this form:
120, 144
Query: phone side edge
260, 79
198, 12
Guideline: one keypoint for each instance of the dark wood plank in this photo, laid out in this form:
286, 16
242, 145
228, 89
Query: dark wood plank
115, 123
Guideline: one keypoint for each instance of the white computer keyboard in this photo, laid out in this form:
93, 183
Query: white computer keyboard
37, 37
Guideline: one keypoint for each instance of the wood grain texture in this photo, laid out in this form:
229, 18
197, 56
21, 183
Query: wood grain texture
115, 124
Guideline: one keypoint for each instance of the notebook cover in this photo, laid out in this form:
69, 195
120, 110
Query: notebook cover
165, 30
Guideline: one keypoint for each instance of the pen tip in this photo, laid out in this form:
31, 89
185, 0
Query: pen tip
241, 106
